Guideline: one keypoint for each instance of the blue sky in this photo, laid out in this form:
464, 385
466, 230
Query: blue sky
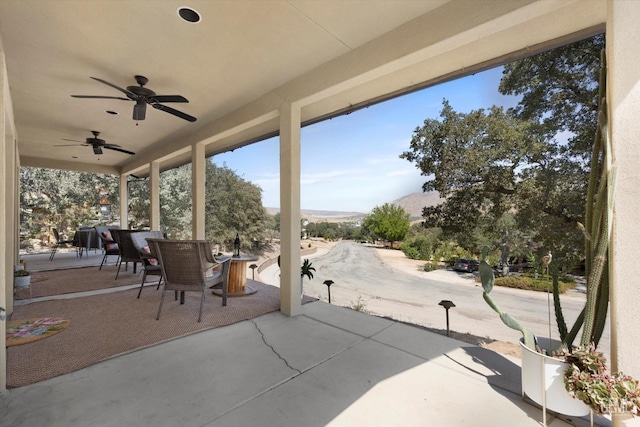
351, 163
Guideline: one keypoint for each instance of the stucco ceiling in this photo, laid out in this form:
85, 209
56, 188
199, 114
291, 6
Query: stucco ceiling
241, 62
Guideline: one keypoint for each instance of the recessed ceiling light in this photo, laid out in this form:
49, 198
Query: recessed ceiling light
115, 113
189, 15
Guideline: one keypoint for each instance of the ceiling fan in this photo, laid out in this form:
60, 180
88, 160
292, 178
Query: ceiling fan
97, 144
143, 96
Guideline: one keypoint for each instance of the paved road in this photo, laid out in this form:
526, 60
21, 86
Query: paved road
362, 280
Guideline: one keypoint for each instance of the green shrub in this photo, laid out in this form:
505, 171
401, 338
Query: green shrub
530, 283
431, 266
418, 247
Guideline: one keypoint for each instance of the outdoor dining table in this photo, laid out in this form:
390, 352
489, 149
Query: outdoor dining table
86, 239
238, 277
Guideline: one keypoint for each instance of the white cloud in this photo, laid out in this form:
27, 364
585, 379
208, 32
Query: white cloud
399, 173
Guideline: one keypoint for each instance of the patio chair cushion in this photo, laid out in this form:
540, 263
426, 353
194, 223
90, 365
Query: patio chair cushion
151, 261
107, 237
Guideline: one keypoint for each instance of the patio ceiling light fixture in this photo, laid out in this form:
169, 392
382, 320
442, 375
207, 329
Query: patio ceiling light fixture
189, 15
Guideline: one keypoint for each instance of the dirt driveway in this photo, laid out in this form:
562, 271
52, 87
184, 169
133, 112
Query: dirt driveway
384, 282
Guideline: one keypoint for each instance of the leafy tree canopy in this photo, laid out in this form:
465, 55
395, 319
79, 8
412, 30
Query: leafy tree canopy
333, 230
67, 200
233, 205
559, 91
389, 222
175, 201
487, 163
477, 161
64, 200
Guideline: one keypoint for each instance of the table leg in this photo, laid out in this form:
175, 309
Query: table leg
237, 281
237, 276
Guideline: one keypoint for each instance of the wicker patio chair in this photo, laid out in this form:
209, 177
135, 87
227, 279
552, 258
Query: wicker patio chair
148, 257
218, 268
128, 252
186, 265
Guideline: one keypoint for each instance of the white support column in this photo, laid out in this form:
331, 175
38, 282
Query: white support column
290, 209
11, 212
124, 202
623, 57
198, 182
6, 205
154, 194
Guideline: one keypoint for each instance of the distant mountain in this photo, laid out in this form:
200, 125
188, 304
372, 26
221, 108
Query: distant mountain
328, 216
414, 202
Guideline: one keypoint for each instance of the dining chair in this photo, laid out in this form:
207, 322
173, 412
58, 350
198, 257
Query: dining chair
148, 256
109, 245
58, 243
128, 252
185, 267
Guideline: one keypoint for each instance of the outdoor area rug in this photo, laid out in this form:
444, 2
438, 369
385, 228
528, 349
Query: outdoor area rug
57, 282
29, 330
107, 325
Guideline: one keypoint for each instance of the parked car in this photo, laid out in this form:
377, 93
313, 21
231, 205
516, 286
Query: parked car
467, 265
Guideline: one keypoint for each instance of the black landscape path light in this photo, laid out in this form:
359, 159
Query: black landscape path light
329, 283
253, 271
447, 305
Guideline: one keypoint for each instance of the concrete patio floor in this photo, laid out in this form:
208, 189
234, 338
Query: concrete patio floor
329, 366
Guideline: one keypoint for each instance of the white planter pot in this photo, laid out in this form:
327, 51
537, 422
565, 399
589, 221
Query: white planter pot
543, 380
22, 282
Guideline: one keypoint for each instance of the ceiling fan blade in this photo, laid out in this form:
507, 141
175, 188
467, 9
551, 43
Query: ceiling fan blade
131, 95
72, 140
71, 145
97, 149
100, 97
139, 110
174, 112
111, 147
169, 98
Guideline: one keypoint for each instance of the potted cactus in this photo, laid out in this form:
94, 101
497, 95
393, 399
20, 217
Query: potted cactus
543, 376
